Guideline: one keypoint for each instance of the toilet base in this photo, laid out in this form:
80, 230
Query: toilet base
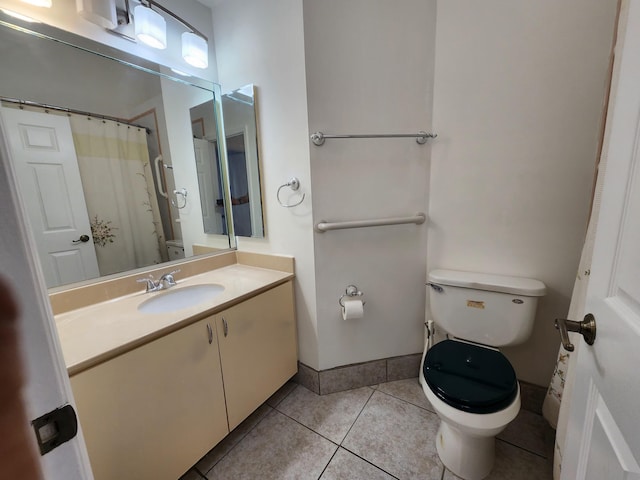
469, 457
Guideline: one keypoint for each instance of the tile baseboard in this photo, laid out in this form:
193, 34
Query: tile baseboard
358, 375
374, 372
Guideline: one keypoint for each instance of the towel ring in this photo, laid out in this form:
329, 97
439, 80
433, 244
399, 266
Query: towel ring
183, 193
294, 184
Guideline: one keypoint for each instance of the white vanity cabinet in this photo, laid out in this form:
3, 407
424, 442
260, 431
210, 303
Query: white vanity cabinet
153, 412
258, 349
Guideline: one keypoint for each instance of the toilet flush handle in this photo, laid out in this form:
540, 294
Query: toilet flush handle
586, 328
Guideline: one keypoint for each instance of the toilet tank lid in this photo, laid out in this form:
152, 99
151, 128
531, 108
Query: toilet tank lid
484, 281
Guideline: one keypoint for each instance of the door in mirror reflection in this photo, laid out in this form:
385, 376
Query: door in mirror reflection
241, 141
47, 172
128, 129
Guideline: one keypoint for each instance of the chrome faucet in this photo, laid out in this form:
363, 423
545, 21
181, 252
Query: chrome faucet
165, 281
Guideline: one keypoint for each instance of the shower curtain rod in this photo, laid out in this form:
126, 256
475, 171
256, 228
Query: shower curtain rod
29, 103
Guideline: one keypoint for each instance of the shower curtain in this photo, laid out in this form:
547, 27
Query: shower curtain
118, 187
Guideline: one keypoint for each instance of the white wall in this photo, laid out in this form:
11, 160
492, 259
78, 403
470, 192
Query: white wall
519, 92
63, 15
262, 43
53, 73
370, 70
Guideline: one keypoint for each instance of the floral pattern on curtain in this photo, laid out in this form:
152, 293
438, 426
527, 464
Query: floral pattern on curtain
119, 191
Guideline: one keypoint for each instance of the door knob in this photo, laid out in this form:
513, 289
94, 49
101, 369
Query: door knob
586, 328
83, 239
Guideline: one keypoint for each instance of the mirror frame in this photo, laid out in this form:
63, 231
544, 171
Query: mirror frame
50, 33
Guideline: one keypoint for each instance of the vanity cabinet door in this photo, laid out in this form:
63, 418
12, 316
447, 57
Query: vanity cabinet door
258, 349
153, 412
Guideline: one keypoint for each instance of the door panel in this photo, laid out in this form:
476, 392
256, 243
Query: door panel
258, 350
153, 412
46, 167
603, 433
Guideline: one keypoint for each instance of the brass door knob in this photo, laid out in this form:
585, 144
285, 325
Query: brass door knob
586, 328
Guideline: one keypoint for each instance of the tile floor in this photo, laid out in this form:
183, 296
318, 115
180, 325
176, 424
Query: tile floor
372, 433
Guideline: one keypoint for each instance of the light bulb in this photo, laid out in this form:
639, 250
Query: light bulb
195, 50
150, 27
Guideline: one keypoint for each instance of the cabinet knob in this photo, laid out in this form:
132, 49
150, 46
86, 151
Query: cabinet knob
210, 333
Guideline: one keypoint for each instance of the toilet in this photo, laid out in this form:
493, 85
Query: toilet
470, 384
175, 249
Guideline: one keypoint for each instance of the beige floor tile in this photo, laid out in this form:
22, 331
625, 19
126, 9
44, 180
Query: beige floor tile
330, 415
278, 448
397, 437
531, 432
409, 390
347, 466
207, 462
514, 463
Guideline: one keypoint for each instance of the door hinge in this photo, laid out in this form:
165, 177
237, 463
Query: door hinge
55, 428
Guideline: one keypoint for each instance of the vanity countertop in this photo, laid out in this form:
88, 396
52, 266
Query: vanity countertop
96, 333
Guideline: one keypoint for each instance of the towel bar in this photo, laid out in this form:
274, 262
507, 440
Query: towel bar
324, 226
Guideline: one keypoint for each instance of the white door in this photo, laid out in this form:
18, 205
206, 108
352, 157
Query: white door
603, 435
208, 184
48, 386
45, 162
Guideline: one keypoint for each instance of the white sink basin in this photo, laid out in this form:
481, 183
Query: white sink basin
181, 297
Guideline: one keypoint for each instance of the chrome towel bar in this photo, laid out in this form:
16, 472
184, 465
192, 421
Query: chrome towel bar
323, 226
421, 137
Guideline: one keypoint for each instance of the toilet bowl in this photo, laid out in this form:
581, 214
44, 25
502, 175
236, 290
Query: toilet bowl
470, 384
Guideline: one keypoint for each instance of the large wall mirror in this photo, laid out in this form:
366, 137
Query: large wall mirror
105, 156
241, 145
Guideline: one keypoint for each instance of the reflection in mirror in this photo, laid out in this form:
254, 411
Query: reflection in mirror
103, 156
240, 129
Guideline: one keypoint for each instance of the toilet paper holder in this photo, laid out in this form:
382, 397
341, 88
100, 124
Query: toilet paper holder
351, 291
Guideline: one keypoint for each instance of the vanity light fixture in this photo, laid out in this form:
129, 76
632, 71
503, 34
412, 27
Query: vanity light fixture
39, 3
150, 27
194, 50
100, 12
146, 24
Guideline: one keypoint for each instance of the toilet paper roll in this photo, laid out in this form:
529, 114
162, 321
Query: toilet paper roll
352, 309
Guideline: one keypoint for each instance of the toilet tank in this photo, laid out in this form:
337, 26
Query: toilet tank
493, 310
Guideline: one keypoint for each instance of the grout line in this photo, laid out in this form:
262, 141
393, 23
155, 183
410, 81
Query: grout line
308, 428
319, 385
325, 467
358, 416
369, 462
523, 448
407, 401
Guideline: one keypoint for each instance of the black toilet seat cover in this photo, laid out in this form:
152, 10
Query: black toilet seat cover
470, 378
